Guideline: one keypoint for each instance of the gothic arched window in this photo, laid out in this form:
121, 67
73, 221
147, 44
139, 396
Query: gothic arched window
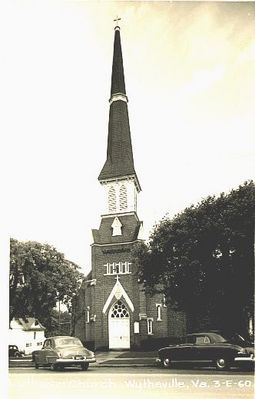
119, 310
112, 199
123, 197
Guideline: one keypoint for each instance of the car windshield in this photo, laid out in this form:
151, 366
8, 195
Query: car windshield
68, 342
235, 339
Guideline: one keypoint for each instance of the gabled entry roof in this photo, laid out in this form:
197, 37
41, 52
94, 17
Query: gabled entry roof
117, 292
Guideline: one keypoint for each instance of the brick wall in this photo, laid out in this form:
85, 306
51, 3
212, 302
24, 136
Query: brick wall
94, 297
102, 255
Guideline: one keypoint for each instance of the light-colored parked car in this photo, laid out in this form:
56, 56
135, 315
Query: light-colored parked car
63, 351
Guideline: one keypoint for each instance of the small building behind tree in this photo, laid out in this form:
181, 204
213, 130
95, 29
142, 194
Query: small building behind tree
27, 333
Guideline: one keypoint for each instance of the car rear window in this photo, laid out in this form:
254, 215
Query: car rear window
68, 342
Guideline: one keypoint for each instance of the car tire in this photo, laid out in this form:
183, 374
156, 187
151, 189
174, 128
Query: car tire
36, 366
221, 364
17, 354
53, 367
84, 366
166, 363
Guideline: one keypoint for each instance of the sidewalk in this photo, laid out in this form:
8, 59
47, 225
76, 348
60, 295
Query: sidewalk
105, 359
126, 359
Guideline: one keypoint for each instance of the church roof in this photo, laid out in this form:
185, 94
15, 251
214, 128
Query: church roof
119, 162
28, 324
130, 230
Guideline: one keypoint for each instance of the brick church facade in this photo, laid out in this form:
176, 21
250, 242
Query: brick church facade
112, 309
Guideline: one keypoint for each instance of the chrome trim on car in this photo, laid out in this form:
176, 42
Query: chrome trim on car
246, 358
75, 360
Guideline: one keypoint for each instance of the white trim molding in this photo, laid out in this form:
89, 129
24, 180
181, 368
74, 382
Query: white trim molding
117, 97
117, 292
142, 316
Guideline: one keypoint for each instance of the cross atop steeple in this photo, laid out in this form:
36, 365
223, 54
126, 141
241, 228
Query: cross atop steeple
116, 20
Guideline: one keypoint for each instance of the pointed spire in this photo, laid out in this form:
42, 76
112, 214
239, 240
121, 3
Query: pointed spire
119, 162
118, 81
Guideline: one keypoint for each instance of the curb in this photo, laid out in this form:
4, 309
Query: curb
109, 363
136, 362
134, 365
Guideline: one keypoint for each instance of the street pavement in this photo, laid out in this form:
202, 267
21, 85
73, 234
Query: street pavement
126, 375
126, 383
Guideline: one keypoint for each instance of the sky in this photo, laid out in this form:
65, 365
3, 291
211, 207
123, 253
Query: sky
189, 71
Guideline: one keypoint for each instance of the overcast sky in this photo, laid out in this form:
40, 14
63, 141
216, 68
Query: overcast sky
189, 70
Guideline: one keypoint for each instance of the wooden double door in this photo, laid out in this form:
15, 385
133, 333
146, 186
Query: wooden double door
119, 326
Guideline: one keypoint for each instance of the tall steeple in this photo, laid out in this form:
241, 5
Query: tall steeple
119, 163
118, 80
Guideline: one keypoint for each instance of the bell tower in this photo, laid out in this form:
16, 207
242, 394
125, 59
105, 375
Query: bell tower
116, 292
113, 310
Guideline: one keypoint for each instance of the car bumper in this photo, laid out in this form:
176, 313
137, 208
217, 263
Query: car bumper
73, 361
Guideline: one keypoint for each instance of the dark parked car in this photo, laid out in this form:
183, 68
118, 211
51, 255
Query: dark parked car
14, 351
209, 348
62, 351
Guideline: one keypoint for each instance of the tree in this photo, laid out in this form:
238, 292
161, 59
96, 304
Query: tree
61, 322
203, 260
40, 276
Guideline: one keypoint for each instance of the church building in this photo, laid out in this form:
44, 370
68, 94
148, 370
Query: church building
112, 309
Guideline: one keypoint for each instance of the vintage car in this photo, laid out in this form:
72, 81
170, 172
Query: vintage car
62, 351
14, 351
209, 348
